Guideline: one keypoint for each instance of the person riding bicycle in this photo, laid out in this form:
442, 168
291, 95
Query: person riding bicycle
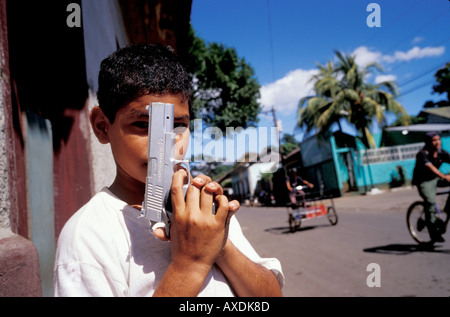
426, 175
292, 182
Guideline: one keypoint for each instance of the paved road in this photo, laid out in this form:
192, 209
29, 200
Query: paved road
324, 260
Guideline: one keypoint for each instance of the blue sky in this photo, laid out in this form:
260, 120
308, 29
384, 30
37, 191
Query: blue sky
283, 39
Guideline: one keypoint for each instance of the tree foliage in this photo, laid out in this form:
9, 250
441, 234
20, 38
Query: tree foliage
342, 92
442, 87
443, 81
289, 143
225, 88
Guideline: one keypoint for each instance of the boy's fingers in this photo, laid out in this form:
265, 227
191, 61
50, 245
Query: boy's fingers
215, 188
221, 208
176, 192
206, 199
161, 234
193, 194
201, 180
233, 207
209, 191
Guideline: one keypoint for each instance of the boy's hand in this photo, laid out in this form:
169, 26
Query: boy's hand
197, 235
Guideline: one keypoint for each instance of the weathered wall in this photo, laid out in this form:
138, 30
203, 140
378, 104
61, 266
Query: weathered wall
19, 264
103, 33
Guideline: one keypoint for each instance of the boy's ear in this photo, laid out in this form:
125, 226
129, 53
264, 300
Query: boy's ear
100, 124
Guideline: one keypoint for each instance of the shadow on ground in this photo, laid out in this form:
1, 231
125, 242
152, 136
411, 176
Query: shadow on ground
287, 230
402, 249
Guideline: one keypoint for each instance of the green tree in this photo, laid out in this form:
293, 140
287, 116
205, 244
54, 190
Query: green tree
442, 87
342, 92
443, 81
225, 88
289, 143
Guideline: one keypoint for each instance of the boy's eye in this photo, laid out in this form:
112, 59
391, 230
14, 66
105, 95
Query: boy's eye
141, 124
180, 125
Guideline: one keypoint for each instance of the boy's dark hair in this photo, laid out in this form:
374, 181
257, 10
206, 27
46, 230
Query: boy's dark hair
138, 70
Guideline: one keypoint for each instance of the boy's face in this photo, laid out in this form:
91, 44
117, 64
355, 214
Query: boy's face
128, 135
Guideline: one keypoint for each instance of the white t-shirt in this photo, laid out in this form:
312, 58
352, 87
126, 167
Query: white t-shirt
106, 249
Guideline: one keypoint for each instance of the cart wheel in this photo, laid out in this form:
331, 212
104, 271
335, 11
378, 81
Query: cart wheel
332, 215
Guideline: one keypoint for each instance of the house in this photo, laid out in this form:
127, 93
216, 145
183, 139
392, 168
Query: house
341, 164
50, 163
436, 115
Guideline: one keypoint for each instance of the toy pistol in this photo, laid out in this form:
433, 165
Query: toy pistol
157, 206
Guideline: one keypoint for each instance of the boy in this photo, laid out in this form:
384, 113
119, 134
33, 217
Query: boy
105, 249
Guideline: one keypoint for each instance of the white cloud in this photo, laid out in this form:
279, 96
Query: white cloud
415, 53
381, 78
285, 93
365, 56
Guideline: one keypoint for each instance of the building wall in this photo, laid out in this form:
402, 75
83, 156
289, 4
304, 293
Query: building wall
384, 173
19, 263
104, 32
50, 162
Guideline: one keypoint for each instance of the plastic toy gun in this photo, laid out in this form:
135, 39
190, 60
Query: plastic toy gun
157, 206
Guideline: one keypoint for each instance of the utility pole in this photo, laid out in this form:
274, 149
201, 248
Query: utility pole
280, 148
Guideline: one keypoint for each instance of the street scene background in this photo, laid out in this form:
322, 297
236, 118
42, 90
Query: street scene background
324, 260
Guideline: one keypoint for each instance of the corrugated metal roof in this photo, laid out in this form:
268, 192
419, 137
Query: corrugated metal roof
425, 127
440, 111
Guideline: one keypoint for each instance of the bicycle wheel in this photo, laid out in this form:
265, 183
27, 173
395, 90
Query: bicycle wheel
292, 223
332, 215
415, 220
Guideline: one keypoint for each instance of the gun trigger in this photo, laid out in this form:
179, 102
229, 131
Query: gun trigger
184, 164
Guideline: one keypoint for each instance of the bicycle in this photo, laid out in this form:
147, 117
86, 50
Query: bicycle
417, 226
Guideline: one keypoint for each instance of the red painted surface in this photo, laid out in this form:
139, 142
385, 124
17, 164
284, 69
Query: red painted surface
51, 82
72, 171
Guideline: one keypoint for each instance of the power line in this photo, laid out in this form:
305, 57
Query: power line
432, 69
396, 19
269, 22
416, 87
403, 63
433, 20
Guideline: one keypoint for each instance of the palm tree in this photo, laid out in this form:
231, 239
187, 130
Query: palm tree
342, 91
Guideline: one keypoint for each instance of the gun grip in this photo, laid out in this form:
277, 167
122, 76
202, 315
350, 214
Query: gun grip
177, 165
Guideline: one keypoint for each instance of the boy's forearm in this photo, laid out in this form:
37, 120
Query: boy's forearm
247, 278
182, 280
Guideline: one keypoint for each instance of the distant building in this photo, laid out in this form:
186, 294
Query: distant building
436, 115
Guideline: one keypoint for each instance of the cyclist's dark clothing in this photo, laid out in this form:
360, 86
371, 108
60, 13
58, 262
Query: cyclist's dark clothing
421, 172
426, 182
295, 181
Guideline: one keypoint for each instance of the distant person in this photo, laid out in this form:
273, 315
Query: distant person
292, 182
426, 175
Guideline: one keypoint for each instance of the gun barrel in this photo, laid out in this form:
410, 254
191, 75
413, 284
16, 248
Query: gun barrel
161, 141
